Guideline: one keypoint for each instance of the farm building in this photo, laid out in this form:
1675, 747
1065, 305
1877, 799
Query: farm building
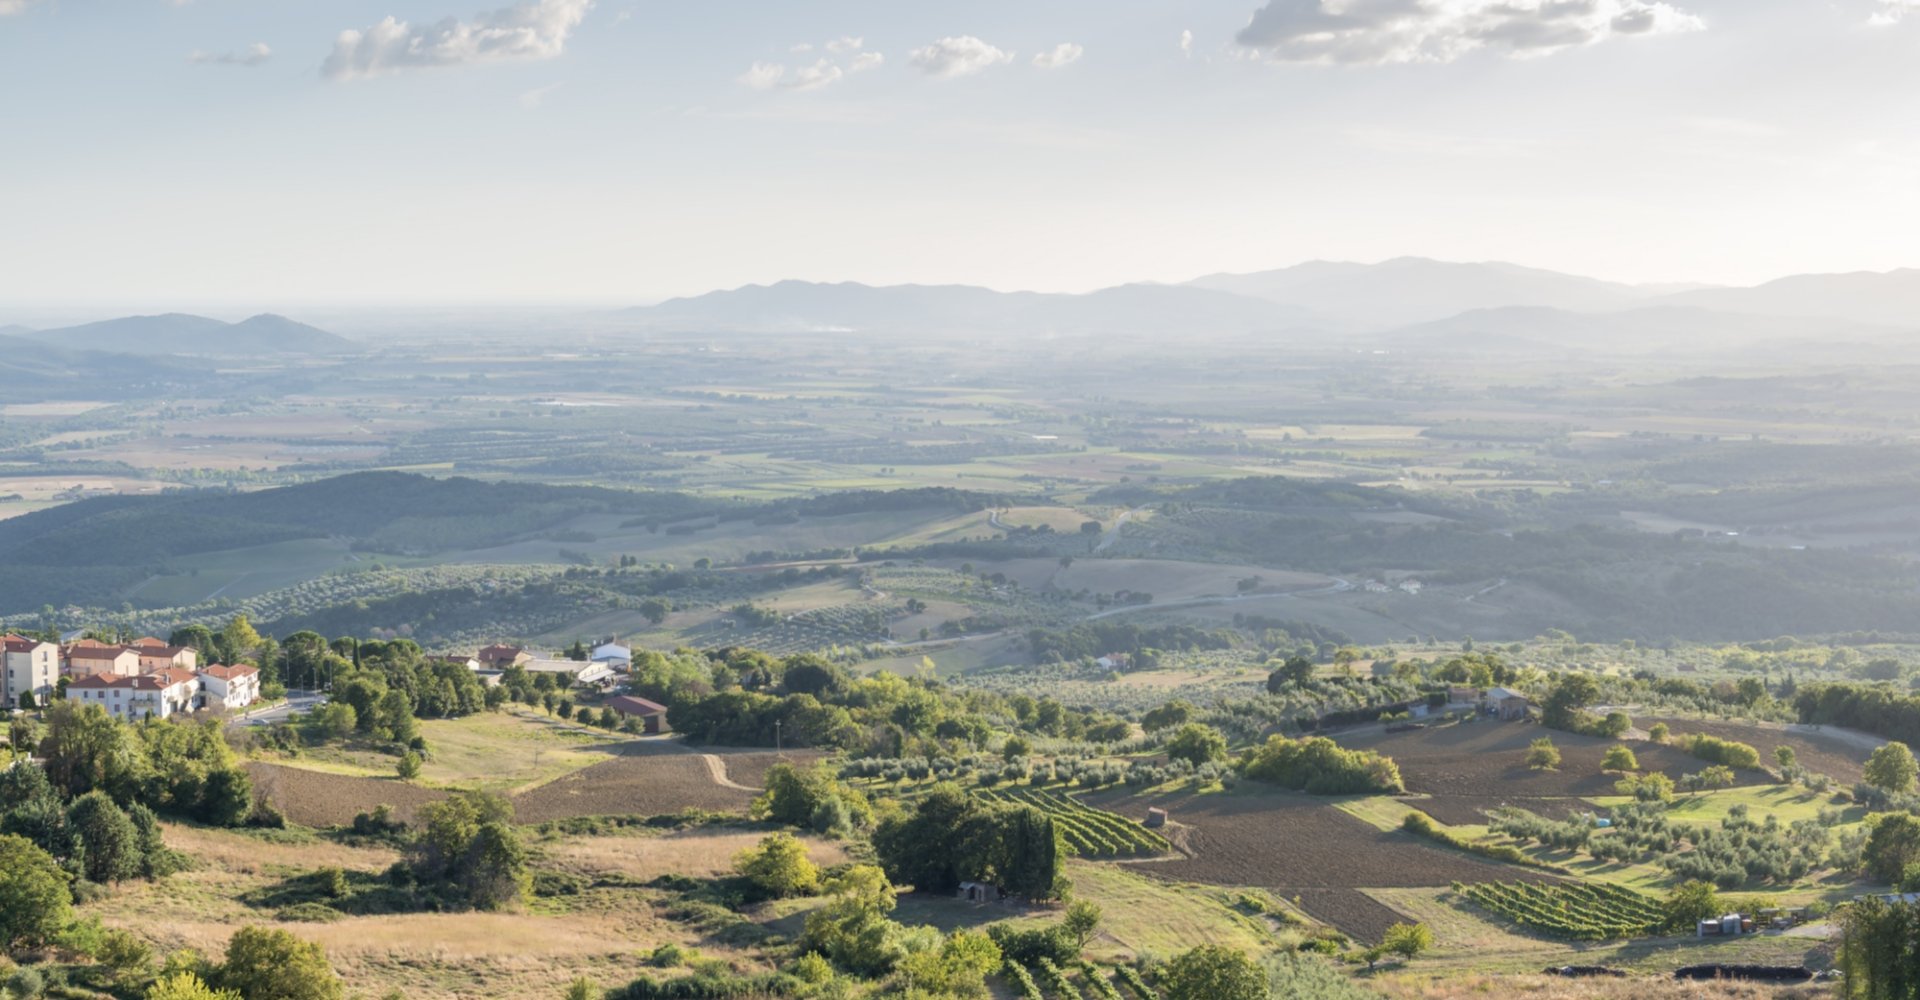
500, 657
652, 715
582, 672
978, 892
1507, 704
613, 655
1156, 817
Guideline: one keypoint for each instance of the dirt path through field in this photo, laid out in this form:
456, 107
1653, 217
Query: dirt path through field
718, 768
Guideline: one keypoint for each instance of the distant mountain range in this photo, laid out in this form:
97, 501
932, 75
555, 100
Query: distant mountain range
179, 333
799, 306
1416, 290
1408, 300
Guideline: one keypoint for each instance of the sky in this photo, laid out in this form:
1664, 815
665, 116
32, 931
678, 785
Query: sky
159, 154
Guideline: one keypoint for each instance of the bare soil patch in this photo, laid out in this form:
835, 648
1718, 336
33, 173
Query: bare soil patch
1487, 758
1833, 755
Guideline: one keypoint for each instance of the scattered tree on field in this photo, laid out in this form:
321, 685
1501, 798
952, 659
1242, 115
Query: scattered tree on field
779, 866
34, 904
1892, 767
263, 964
1196, 744
1542, 755
1619, 758
1211, 972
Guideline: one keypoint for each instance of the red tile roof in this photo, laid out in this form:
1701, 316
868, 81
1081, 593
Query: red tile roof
97, 652
227, 673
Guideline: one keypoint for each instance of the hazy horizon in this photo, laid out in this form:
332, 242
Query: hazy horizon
604, 153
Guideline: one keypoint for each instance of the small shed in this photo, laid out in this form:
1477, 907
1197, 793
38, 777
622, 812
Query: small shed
978, 892
652, 714
1156, 817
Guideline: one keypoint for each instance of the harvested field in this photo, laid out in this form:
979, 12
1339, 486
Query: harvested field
649, 777
636, 784
694, 853
317, 798
1469, 759
1292, 844
1831, 755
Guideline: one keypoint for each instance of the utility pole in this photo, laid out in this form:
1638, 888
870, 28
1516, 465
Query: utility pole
776, 736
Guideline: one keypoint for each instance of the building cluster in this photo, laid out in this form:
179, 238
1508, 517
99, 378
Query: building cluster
143, 679
605, 669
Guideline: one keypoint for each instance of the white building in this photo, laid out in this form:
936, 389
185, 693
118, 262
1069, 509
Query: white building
613, 655
229, 687
28, 666
576, 671
158, 695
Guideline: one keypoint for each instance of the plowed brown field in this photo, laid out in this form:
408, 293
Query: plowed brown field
1488, 759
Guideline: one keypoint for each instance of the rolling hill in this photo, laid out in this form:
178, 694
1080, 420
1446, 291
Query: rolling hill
1890, 297
1408, 290
179, 333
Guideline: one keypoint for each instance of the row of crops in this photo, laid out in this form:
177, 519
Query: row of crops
1048, 981
1089, 832
1576, 911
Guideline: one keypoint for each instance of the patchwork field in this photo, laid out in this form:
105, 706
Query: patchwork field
1301, 848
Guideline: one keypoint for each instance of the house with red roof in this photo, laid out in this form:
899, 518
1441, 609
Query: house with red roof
233, 687
157, 695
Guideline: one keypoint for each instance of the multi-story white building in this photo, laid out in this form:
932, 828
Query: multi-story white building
28, 666
229, 687
156, 695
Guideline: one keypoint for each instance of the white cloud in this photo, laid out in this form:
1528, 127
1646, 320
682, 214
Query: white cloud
1060, 55
537, 29
963, 56
763, 76
1890, 12
1186, 43
1409, 31
824, 71
15, 6
815, 76
252, 55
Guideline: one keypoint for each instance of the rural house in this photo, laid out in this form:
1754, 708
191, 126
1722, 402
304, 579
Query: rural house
500, 657
159, 694
28, 666
1507, 704
652, 715
91, 658
232, 687
978, 892
157, 655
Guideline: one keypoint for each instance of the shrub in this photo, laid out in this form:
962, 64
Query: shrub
1542, 755
779, 866
1319, 766
1715, 750
1619, 758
